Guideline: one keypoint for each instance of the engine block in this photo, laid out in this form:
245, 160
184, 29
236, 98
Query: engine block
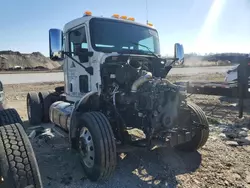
142, 100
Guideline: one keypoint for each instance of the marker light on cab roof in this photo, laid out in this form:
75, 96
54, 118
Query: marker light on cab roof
116, 16
87, 13
150, 24
124, 17
131, 19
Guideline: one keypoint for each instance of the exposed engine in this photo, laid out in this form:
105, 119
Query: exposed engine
140, 94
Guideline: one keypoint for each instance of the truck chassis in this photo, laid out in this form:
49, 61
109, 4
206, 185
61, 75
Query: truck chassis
111, 89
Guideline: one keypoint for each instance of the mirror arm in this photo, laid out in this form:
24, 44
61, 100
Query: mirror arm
87, 69
173, 60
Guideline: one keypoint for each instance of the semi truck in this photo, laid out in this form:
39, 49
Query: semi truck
115, 81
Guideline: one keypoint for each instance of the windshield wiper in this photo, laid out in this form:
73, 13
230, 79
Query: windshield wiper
146, 48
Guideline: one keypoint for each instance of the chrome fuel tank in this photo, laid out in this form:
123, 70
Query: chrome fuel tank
59, 114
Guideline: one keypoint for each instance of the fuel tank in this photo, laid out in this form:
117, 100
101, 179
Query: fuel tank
59, 114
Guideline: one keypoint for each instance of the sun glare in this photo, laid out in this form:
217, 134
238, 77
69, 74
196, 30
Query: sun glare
203, 43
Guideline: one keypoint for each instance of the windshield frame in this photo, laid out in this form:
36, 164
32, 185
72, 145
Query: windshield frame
135, 51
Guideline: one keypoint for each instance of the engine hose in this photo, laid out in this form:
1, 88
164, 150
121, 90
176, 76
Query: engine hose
117, 114
140, 81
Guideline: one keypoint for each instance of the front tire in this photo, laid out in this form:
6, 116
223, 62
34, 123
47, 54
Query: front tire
201, 135
96, 146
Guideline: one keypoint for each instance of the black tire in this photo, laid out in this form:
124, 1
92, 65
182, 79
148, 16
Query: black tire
104, 148
59, 89
1, 86
18, 165
45, 98
34, 108
9, 116
201, 135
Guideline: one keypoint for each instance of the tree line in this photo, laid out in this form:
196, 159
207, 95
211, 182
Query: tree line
214, 57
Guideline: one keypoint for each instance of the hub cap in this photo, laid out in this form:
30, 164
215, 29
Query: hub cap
86, 147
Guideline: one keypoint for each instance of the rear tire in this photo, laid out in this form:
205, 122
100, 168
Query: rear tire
59, 89
45, 98
9, 116
18, 165
34, 108
201, 135
98, 138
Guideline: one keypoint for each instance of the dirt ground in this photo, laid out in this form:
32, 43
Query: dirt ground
28, 71
217, 164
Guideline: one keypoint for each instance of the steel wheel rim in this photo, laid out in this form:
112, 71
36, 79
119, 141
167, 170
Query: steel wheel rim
86, 147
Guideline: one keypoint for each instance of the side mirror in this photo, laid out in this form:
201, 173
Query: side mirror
179, 53
56, 44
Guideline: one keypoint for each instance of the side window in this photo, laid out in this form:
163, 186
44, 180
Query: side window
149, 42
78, 40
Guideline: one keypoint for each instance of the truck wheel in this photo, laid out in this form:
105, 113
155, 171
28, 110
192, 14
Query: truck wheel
34, 108
46, 101
9, 116
201, 135
18, 165
59, 89
96, 146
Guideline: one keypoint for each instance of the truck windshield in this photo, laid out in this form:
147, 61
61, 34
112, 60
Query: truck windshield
117, 36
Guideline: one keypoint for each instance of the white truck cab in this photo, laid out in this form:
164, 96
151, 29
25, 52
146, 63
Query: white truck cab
89, 40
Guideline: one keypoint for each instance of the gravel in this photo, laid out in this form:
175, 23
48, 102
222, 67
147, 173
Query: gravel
223, 162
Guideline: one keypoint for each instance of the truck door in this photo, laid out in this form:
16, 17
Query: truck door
78, 78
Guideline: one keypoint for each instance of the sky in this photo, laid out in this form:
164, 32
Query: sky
202, 26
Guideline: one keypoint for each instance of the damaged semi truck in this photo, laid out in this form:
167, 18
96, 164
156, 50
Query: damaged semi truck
115, 80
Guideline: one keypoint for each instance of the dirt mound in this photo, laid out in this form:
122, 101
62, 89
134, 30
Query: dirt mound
59, 68
10, 59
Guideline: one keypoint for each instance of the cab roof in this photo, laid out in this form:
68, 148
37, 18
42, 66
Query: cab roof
78, 21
